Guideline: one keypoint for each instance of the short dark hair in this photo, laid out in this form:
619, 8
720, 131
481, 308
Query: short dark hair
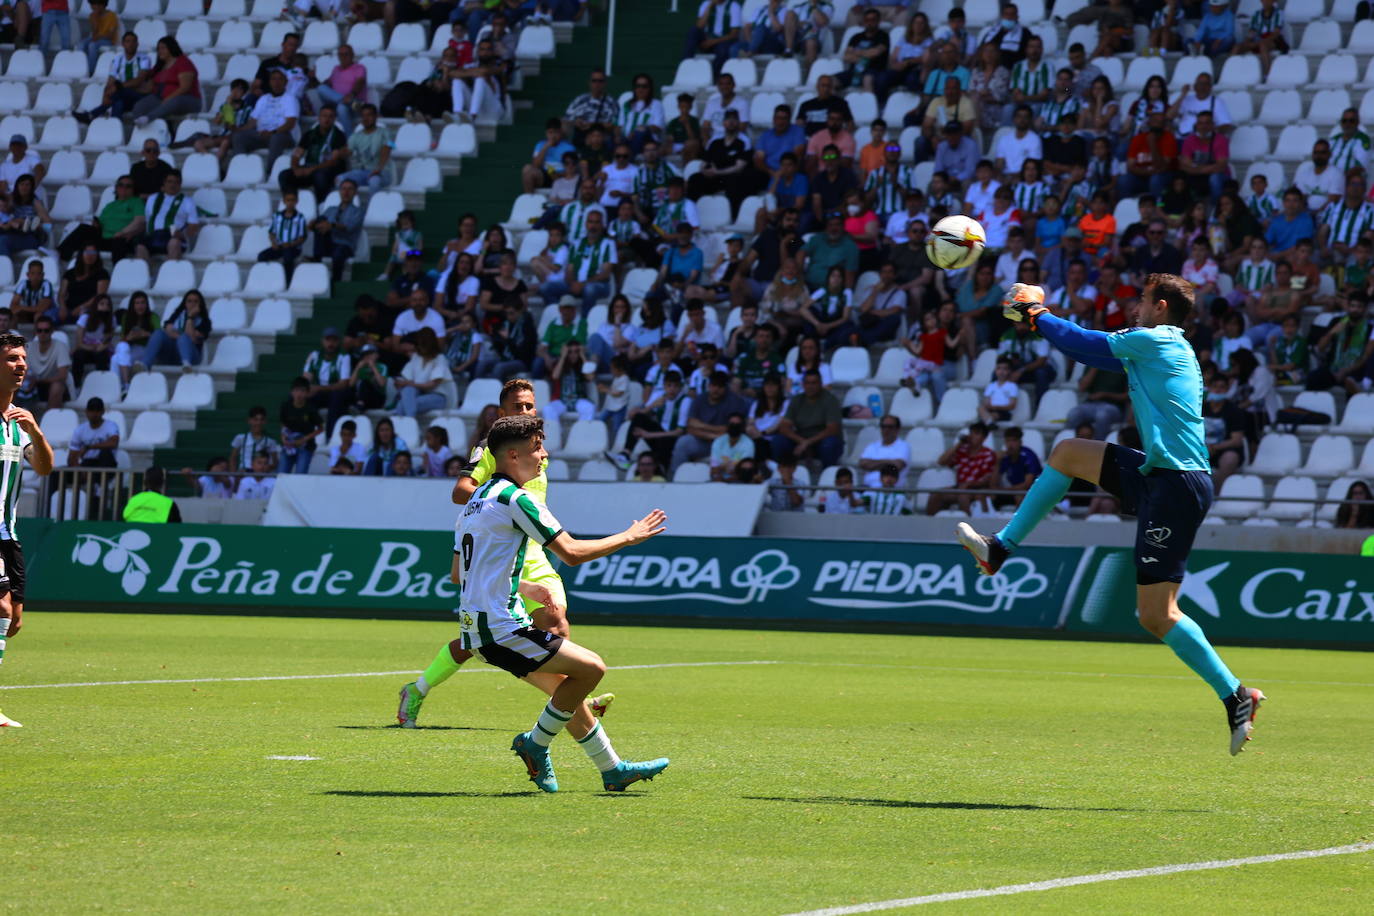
552, 123
672, 378
300, 381
349, 425
1012, 432
978, 427
508, 431
258, 411
720, 377
1176, 292
8, 340
509, 389
153, 478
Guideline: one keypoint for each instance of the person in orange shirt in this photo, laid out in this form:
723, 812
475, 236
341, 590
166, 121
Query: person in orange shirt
871, 155
104, 32
1099, 228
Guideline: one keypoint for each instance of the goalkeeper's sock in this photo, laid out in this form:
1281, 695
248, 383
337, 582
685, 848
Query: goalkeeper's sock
551, 721
1190, 644
597, 744
1047, 491
441, 669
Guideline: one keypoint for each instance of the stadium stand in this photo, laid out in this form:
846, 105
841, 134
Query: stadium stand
267, 317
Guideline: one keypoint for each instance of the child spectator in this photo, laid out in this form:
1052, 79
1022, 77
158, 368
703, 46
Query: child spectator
842, 500
659, 423
1050, 226
436, 452
301, 427
574, 384
925, 367
885, 502
245, 446
347, 448
402, 465
103, 32
1261, 202
214, 483
999, 219
707, 366
1201, 270
1252, 275
231, 118
1099, 227
408, 239
616, 395
33, 296
286, 235
999, 395
549, 265
1017, 468
1233, 338
369, 380
261, 483
783, 493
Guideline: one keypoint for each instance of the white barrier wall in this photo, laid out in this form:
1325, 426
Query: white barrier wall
694, 509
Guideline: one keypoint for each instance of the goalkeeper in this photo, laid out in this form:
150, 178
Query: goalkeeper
1168, 486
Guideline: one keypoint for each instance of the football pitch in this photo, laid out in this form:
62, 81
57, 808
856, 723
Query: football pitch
235, 764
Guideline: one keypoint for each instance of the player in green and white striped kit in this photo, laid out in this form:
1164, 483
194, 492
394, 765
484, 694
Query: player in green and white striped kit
489, 548
20, 440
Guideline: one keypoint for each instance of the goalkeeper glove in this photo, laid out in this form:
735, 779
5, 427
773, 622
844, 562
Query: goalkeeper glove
1024, 302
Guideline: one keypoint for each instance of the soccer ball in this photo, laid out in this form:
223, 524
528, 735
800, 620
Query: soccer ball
955, 242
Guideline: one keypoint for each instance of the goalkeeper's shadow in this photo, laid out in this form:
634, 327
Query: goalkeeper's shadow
958, 805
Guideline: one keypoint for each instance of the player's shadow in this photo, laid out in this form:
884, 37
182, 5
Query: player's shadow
425, 728
953, 805
379, 793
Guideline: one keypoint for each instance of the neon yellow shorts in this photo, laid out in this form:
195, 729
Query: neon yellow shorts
538, 569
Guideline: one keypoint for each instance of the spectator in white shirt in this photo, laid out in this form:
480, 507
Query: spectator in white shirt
1319, 181
272, 124
20, 161
94, 442
1198, 98
260, 484
347, 446
617, 178
172, 221
409, 323
889, 450
999, 396
1017, 145
425, 383
695, 329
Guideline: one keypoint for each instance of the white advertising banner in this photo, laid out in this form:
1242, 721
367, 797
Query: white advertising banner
418, 504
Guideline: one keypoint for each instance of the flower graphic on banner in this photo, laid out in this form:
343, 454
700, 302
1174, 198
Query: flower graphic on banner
117, 556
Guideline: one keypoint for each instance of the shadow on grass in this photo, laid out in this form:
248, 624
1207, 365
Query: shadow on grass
956, 806
377, 793
425, 728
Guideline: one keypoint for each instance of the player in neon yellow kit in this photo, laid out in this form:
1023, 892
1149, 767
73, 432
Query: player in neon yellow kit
540, 585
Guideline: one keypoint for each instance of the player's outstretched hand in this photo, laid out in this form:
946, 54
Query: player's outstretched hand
1023, 302
25, 419
650, 525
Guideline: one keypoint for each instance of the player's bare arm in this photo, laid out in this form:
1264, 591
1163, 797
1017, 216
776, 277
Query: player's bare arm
573, 551
463, 490
38, 452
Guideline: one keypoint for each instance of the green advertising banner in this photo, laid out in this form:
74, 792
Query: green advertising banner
1279, 598
1274, 597
353, 571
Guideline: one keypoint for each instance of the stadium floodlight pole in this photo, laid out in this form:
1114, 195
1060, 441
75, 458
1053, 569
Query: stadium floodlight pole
610, 36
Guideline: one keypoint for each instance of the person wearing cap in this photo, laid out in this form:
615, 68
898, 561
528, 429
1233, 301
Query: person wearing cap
285, 235
1216, 33
152, 506
567, 326
957, 154
20, 161
94, 442
412, 276
328, 370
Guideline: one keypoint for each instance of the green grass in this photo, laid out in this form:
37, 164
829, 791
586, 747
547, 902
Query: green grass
859, 768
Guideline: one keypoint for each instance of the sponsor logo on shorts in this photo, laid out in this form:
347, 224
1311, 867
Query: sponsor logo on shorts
1158, 535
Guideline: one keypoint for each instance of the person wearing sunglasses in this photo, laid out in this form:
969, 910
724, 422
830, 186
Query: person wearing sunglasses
1349, 144
641, 117
116, 230
593, 108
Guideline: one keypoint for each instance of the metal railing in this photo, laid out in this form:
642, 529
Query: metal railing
99, 494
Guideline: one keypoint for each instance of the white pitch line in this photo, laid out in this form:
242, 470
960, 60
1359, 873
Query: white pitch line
1055, 883
290, 757
316, 677
1048, 671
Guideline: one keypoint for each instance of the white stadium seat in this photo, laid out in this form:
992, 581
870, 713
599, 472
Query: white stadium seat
152, 429
1320, 37
194, 390
781, 73
53, 98
958, 408
128, 275
1300, 488
99, 384
743, 70
220, 278
1242, 496
1329, 456
1337, 70
272, 316
214, 241
1358, 416
265, 279
233, 353
586, 439
850, 364
309, 280
1278, 454
146, 390
1282, 106
174, 278
1288, 71
714, 212
692, 74
480, 392
228, 314
910, 408
245, 171
1240, 72
73, 202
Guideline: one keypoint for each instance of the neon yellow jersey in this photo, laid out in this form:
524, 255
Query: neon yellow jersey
482, 464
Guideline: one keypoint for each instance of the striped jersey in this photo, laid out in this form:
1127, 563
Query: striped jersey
1028, 196
884, 502
890, 188
651, 185
491, 539
1052, 111
30, 296
287, 227
13, 442
123, 69
574, 216
328, 369
1254, 277
1261, 24
1350, 152
1262, 205
949, 200
635, 115
1031, 79
589, 257
1348, 225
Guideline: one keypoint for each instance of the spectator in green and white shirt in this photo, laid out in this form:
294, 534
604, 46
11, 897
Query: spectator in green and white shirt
641, 116
1350, 145
328, 371
369, 154
1346, 221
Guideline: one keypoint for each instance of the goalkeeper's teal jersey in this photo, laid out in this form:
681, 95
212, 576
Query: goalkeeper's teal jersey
1166, 393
